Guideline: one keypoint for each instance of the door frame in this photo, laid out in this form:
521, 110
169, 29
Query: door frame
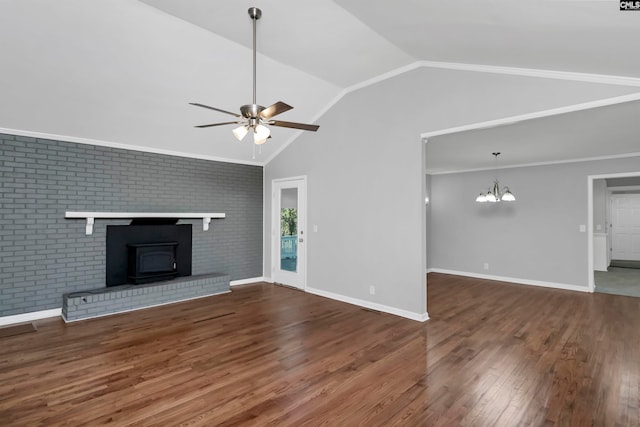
590, 179
612, 196
301, 181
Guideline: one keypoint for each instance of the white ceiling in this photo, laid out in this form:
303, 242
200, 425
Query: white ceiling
123, 72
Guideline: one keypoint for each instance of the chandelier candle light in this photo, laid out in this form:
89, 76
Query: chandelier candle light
494, 194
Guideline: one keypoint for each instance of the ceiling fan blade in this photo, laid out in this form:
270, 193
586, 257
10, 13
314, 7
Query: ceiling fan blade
275, 109
216, 124
215, 109
292, 125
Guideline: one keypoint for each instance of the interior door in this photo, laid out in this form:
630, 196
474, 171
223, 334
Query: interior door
289, 232
625, 227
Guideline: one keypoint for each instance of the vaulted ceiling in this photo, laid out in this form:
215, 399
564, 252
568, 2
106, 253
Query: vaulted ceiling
123, 72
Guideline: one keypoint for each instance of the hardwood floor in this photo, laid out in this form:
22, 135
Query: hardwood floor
492, 354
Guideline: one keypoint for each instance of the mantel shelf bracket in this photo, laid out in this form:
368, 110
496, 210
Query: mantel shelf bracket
91, 217
89, 227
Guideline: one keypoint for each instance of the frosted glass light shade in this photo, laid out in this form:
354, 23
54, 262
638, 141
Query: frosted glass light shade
240, 132
260, 134
508, 196
481, 198
490, 197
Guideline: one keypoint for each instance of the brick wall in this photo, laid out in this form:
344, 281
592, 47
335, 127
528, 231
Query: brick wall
43, 255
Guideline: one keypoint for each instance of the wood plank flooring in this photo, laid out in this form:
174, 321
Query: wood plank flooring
492, 354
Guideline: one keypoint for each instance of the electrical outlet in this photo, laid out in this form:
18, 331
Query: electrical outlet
372, 290
486, 266
315, 228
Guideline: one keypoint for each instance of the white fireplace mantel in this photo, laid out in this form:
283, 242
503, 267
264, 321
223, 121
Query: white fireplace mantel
91, 216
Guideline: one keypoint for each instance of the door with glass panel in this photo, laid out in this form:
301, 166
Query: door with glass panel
289, 232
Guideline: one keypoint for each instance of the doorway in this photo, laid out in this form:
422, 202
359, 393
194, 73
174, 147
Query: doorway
614, 243
289, 232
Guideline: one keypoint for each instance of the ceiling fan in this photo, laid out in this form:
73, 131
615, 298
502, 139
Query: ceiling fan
253, 116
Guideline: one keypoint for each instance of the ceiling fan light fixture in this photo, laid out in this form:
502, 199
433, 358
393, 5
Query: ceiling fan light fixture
240, 132
260, 134
253, 115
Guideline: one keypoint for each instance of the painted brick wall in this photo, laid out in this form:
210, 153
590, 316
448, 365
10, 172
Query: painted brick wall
43, 255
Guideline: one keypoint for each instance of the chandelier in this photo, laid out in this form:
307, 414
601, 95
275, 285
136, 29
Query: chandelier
495, 194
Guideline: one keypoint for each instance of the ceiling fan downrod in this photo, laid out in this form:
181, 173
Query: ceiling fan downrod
253, 116
254, 14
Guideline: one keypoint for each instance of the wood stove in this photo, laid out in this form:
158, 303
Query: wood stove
144, 253
149, 262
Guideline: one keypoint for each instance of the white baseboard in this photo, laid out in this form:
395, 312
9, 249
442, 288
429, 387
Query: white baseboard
529, 282
28, 317
247, 281
420, 317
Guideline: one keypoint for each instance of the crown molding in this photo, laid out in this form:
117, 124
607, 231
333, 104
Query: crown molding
540, 73
535, 115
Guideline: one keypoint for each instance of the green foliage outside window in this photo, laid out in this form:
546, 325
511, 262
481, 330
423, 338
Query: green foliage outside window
289, 222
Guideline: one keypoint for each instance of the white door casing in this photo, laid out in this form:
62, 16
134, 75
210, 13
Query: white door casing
287, 187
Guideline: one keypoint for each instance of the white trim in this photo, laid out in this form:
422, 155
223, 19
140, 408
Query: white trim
144, 308
551, 162
420, 317
616, 175
389, 75
535, 115
28, 317
591, 283
74, 214
563, 286
246, 281
265, 250
99, 143
314, 119
304, 177
540, 73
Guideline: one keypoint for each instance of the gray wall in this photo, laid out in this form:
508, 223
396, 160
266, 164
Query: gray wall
599, 205
43, 255
536, 237
366, 180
